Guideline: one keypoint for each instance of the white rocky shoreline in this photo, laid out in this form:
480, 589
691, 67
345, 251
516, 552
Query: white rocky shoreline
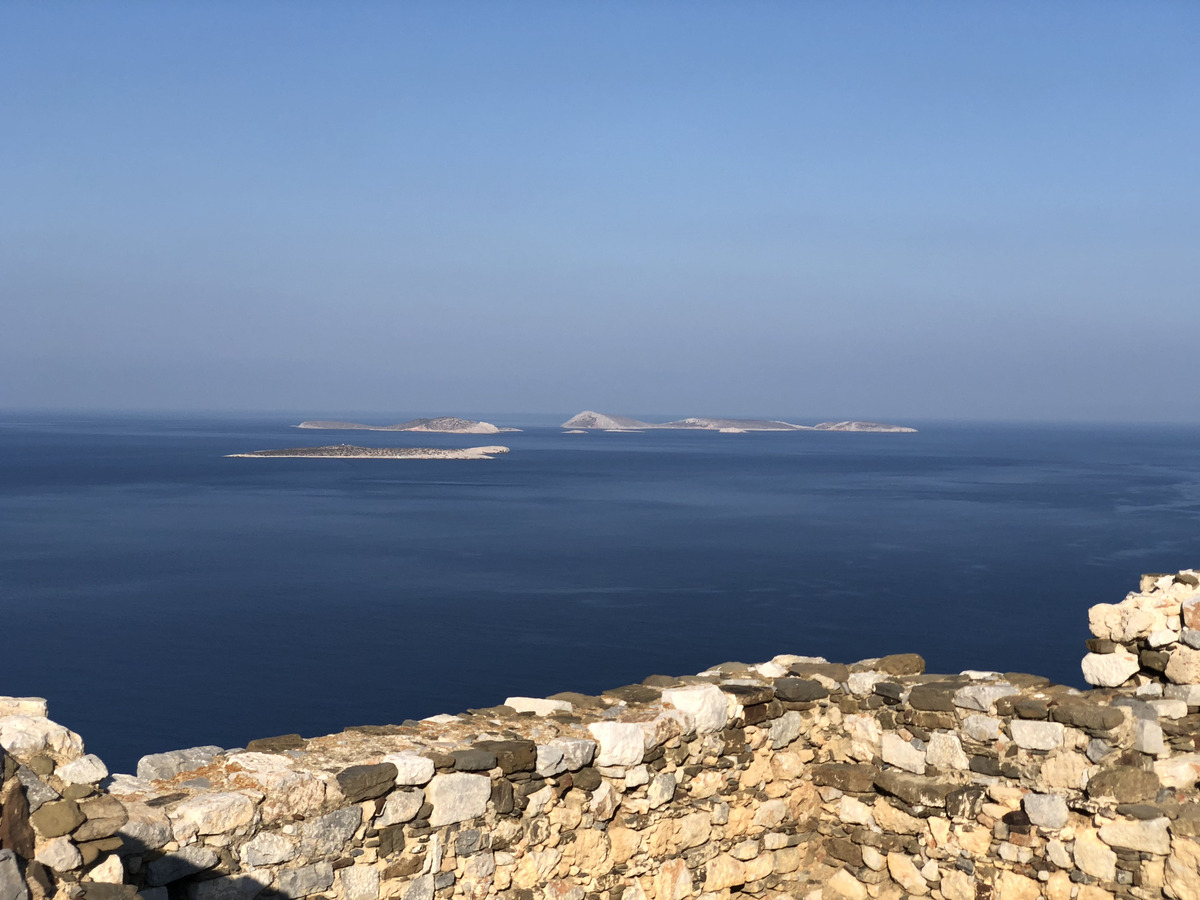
350, 451
792, 778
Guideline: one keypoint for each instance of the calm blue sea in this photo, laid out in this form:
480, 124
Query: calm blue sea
162, 596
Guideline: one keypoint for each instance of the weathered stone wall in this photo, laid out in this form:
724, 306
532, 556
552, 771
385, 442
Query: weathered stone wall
796, 777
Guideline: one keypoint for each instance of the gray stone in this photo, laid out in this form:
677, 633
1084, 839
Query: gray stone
268, 849
459, 796
1097, 750
982, 697
799, 690
147, 828
12, 885
60, 855
1123, 784
915, 790
37, 792
1188, 693
1144, 836
1046, 810
164, 766
400, 807
577, 752
88, 769
420, 889
511, 756
983, 729
360, 883
1033, 735
411, 768
56, 818
245, 886
180, 864
300, 882
785, 729
903, 754
661, 790
467, 842
358, 783
935, 696
1091, 717
328, 834
550, 761
473, 760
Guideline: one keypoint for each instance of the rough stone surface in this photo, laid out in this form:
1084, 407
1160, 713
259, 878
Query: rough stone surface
1109, 669
180, 864
411, 769
460, 796
359, 783
164, 766
1146, 836
304, 880
1032, 735
88, 769
620, 743
704, 704
1046, 810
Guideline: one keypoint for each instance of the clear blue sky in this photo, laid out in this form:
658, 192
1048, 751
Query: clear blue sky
893, 210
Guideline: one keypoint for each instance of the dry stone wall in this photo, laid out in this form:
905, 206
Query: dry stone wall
791, 778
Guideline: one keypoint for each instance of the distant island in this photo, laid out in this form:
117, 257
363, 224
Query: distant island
594, 421
349, 451
439, 425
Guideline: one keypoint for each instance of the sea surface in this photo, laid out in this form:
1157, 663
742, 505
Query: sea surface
163, 596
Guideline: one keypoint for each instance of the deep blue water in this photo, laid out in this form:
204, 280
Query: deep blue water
161, 596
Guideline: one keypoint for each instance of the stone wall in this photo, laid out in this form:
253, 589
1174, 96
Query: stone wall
797, 777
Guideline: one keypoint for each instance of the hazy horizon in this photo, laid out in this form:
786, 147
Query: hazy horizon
930, 211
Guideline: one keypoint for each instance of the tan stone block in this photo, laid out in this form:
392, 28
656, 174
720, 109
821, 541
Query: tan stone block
776, 789
891, 819
1011, 886
1058, 887
590, 851
706, 784
905, 873
1153, 874
1063, 771
939, 831
624, 843
803, 802
693, 830
759, 867
1094, 892
1183, 869
724, 872
673, 881
974, 839
756, 774
956, 885
844, 886
787, 860
787, 766
741, 820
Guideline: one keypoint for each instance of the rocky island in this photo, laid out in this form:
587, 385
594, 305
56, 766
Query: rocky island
600, 422
437, 425
350, 451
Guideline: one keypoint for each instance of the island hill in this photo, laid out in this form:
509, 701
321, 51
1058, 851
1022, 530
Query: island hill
349, 451
594, 421
438, 425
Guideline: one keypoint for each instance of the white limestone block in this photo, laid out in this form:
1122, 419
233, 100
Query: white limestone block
458, 796
1109, 669
705, 705
900, 753
577, 752
538, 705
945, 752
981, 697
412, 769
88, 769
1148, 836
620, 743
26, 736
1033, 735
1046, 810
983, 729
213, 813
